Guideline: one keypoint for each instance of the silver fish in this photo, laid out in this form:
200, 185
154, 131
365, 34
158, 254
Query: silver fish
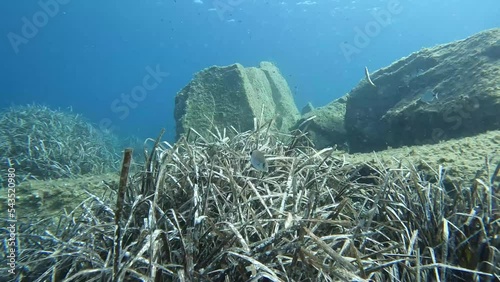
429, 96
258, 161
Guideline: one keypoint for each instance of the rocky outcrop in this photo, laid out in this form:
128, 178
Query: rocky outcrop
402, 108
326, 125
232, 96
306, 109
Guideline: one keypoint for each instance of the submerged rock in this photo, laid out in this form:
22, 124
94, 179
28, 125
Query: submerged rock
225, 96
307, 108
327, 127
463, 75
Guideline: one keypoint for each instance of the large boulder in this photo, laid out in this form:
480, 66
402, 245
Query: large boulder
402, 109
232, 96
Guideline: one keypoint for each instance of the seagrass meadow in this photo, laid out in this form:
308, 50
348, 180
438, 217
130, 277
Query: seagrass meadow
197, 211
49, 144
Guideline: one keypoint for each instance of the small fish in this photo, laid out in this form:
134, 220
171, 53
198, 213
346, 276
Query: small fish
367, 75
258, 160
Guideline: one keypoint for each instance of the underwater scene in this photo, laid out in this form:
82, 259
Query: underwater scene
250, 140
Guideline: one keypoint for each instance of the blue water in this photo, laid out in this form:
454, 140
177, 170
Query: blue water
85, 54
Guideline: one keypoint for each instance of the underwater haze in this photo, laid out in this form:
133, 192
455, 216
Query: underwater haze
91, 55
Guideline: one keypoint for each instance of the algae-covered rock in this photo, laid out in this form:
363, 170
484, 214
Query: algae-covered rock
327, 127
307, 108
232, 96
49, 199
462, 160
448, 91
